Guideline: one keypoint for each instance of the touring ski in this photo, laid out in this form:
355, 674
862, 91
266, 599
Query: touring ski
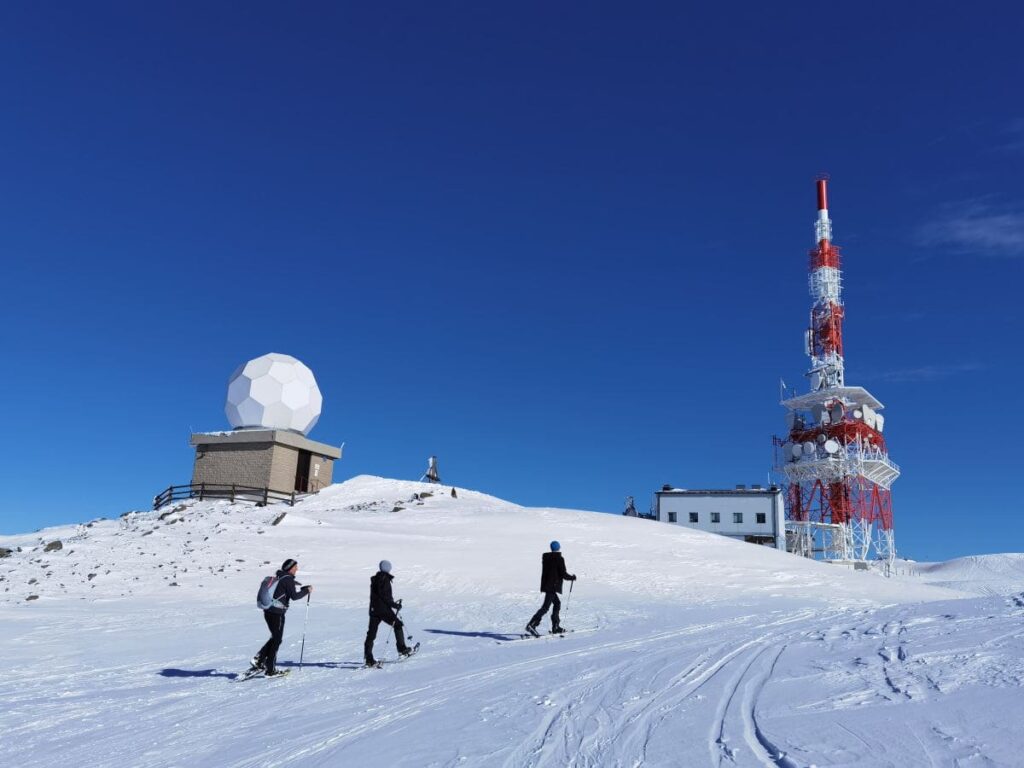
401, 657
249, 674
513, 638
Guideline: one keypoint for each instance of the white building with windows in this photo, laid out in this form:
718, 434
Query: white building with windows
754, 515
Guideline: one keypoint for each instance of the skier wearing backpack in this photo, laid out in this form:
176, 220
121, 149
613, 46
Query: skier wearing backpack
552, 575
383, 607
284, 591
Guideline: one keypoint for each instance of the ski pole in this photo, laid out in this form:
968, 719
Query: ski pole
391, 628
398, 615
569, 598
302, 650
398, 618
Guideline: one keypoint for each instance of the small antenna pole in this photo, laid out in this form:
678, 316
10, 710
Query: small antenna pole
431, 475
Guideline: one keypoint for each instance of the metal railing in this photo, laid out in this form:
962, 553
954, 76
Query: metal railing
201, 491
311, 485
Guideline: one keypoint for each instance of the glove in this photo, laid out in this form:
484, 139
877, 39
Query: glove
573, 577
399, 606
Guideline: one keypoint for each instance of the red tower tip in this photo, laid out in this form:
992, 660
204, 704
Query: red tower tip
822, 195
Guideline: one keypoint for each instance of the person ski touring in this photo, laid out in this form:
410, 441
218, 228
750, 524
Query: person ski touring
383, 607
552, 575
284, 592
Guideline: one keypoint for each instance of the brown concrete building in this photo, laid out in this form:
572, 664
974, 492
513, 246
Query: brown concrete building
278, 459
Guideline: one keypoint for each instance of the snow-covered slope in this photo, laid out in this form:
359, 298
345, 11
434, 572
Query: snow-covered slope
473, 547
691, 649
979, 574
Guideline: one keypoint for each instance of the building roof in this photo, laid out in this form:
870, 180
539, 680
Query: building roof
770, 491
278, 436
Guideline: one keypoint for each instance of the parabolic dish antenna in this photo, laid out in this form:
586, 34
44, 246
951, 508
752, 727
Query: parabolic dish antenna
808, 449
796, 450
832, 446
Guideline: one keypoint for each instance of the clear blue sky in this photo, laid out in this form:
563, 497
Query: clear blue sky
563, 248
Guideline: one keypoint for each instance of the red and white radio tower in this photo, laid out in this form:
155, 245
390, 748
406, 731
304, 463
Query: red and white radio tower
834, 459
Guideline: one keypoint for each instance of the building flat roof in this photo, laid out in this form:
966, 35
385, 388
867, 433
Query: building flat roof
279, 436
719, 491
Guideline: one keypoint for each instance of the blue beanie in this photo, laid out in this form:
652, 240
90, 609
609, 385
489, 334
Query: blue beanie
555, 546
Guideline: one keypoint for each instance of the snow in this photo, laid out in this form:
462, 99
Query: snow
978, 574
692, 649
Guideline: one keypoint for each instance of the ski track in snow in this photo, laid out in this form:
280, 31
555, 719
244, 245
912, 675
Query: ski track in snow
557, 729
702, 651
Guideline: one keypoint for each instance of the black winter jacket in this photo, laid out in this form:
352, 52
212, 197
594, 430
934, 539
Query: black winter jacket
553, 572
285, 592
382, 602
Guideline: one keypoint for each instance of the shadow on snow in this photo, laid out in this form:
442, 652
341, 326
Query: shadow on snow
196, 673
488, 635
323, 664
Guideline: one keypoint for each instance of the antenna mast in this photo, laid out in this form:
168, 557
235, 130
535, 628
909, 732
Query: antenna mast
431, 475
834, 458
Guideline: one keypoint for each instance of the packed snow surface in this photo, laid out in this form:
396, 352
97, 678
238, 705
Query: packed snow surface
690, 649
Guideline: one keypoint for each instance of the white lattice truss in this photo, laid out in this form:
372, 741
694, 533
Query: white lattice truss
854, 459
840, 541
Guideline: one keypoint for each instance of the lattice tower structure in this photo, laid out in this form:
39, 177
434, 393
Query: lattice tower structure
834, 458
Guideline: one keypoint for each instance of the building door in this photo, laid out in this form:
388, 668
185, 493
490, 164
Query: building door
302, 471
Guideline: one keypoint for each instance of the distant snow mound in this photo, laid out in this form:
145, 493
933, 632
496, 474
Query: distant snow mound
978, 574
469, 546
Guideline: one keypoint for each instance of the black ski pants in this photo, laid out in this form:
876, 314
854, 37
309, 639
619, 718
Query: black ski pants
553, 601
267, 657
371, 635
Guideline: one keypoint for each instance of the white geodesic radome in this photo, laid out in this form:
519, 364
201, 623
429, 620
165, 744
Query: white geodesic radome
274, 391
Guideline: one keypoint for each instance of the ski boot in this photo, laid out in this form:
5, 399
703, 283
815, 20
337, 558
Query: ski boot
409, 650
558, 629
255, 668
531, 629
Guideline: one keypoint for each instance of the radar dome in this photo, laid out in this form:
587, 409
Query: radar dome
273, 392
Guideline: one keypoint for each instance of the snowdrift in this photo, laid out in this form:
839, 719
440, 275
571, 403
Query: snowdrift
978, 574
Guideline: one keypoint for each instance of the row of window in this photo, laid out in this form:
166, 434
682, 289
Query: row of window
716, 517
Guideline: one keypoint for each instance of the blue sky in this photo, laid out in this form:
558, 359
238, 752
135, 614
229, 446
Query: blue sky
563, 248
